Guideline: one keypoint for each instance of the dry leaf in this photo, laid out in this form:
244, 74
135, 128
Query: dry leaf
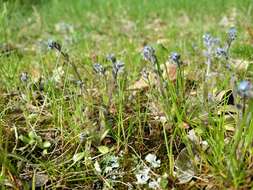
141, 84
225, 97
240, 64
184, 168
40, 180
144, 82
169, 71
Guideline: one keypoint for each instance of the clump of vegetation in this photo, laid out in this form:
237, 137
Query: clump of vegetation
166, 110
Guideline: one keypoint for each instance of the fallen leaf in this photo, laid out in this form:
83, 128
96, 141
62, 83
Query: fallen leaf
46, 144
225, 97
103, 149
79, 156
141, 84
40, 179
169, 71
184, 168
240, 64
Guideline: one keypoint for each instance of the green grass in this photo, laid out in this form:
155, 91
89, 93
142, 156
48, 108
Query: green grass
40, 129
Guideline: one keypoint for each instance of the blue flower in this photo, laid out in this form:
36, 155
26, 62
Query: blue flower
232, 33
244, 88
210, 41
53, 45
111, 57
143, 176
98, 68
117, 68
207, 39
148, 54
24, 77
175, 57
221, 52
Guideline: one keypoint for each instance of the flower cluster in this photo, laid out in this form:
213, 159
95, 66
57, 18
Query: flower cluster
224, 51
118, 67
53, 45
210, 42
232, 34
98, 68
152, 160
176, 58
221, 52
112, 164
111, 57
144, 176
148, 54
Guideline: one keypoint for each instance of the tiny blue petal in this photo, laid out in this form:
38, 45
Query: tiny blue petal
232, 32
244, 85
98, 68
111, 57
148, 53
175, 57
244, 88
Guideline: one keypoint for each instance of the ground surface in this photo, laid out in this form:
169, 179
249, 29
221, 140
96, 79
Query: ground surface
136, 120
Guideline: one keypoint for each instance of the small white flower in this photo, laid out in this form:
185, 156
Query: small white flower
24, 77
121, 153
151, 158
154, 184
108, 169
142, 176
192, 136
130, 186
204, 145
50, 44
112, 164
114, 177
97, 167
83, 137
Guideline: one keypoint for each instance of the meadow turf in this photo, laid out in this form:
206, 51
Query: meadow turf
154, 122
